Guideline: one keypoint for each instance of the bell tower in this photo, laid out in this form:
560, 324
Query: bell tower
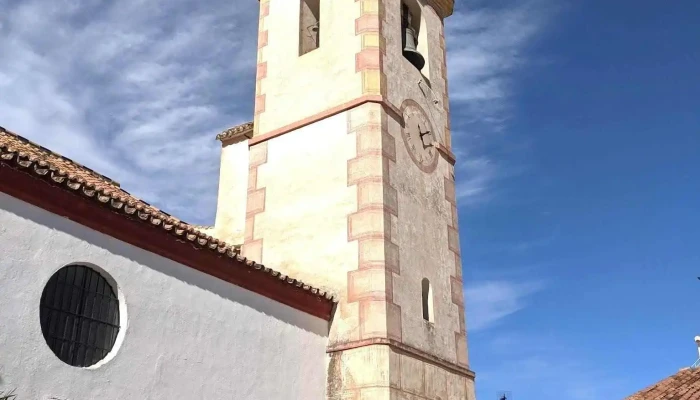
351, 187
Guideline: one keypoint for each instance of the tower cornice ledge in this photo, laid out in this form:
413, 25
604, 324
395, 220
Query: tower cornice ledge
406, 349
444, 8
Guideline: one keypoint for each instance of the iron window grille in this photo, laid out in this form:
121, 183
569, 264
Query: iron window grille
79, 315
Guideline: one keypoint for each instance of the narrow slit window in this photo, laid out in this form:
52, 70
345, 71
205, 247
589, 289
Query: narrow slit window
427, 299
309, 26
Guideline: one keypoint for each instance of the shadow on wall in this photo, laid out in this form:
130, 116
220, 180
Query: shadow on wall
11, 395
168, 267
5, 395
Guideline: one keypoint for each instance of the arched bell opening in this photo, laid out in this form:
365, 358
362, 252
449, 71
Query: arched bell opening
309, 26
414, 37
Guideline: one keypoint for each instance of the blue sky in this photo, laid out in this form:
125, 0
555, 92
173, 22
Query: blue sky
589, 225
576, 124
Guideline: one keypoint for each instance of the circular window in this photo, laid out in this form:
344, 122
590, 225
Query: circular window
79, 315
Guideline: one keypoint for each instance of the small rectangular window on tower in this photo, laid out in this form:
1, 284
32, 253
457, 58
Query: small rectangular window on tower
309, 26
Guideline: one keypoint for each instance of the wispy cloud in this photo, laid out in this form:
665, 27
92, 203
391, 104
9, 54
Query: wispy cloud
529, 243
488, 302
475, 174
487, 45
135, 89
559, 368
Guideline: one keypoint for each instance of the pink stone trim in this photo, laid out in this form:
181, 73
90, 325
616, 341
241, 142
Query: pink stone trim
260, 104
450, 194
368, 59
456, 284
261, 71
453, 240
403, 348
255, 204
457, 291
367, 23
370, 224
262, 39
391, 109
444, 150
264, 9
445, 96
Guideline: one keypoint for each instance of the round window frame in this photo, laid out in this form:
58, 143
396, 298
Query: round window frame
121, 301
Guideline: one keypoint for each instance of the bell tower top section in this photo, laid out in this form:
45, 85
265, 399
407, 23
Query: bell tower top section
317, 58
444, 8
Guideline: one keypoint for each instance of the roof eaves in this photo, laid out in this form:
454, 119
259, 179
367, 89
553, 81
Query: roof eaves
129, 206
684, 383
237, 132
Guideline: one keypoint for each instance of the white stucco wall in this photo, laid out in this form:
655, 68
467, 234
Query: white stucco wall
297, 87
189, 335
233, 192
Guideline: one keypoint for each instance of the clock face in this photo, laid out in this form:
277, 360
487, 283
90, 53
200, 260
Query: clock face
419, 137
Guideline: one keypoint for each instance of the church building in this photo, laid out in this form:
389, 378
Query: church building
332, 271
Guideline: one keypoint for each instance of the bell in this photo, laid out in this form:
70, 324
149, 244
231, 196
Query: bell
409, 50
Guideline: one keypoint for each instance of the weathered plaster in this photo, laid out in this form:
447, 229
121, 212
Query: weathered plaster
422, 234
304, 224
188, 335
296, 87
402, 77
233, 192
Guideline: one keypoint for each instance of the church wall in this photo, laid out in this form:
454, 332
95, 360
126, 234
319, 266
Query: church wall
188, 334
233, 190
394, 375
424, 215
298, 204
291, 87
412, 378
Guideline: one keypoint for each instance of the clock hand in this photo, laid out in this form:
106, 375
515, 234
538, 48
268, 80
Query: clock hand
421, 134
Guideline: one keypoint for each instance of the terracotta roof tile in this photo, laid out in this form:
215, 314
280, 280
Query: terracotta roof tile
29, 152
20, 153
684, 385
237, 131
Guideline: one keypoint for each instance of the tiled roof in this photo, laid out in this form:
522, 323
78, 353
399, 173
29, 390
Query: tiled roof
684, 385
238, 130
31, 153
20, 153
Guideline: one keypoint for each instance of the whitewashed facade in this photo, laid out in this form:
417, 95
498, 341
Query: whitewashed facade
184, 334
